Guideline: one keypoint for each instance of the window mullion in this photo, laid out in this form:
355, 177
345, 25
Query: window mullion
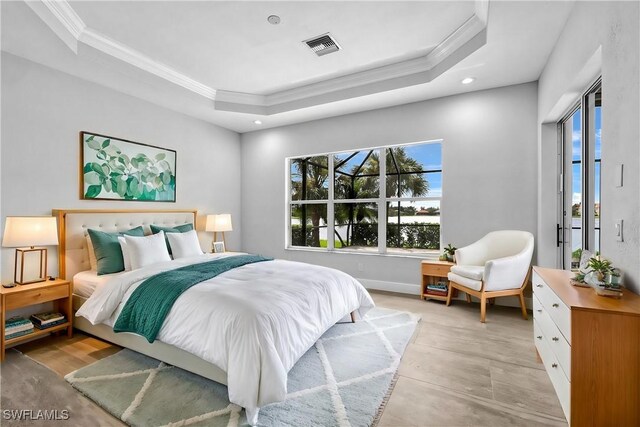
382, 203
331, 207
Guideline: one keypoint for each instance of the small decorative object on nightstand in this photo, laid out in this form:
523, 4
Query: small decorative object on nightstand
59, 291
435, 284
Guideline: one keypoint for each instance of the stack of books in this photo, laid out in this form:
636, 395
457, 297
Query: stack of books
48, 320
439, 288
17, 327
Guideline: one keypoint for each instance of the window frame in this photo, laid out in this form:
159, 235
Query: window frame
381, 202
588, 162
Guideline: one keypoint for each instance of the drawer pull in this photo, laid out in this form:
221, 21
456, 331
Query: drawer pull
539, 311
555, 305
555, 339
538, 286
554, 365
539, 337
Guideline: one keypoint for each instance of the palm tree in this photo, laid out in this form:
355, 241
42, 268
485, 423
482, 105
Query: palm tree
307, 183
404, 179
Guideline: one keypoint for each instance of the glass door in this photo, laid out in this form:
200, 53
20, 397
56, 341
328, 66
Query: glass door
581, 139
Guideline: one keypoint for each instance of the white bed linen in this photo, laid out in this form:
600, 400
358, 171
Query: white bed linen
86, 282
254, 322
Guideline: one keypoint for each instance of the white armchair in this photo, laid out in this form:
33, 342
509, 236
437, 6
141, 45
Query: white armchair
497, 265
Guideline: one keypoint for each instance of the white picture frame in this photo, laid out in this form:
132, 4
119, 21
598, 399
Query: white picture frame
218, 247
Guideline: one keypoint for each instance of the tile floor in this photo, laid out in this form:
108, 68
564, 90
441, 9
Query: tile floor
455, 372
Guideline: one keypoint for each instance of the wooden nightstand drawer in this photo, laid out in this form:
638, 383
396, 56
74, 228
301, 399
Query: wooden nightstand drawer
36, 296
435, 270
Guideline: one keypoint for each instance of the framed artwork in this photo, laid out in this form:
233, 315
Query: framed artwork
218, 247
118, 169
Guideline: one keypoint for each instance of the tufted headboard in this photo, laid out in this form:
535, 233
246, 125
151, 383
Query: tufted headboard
73, 256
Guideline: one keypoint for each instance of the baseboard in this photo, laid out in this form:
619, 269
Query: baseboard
381, 285
413, 289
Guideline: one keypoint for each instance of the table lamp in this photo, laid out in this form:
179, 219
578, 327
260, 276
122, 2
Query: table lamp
219, 223
25, 233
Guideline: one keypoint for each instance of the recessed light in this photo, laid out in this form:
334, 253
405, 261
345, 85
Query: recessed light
257, 122
468, 80
273, 19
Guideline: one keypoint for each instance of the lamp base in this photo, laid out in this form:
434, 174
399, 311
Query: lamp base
9, 285
18, 276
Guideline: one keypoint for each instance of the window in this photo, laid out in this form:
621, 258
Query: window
309, 194
580, 194
367, 205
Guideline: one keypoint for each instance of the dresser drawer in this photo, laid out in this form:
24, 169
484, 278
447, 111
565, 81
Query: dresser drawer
555, 340
559, 312
36, 296
560, 382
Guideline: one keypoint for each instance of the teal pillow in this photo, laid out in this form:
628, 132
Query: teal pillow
155, 229
107, 249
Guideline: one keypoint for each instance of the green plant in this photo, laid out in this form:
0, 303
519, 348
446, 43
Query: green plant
138, 177
601, 266
577, 254
450, 250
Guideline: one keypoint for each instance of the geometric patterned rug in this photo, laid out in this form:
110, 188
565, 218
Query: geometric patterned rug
343, 380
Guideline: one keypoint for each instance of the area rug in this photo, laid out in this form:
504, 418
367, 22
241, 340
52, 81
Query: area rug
342, 381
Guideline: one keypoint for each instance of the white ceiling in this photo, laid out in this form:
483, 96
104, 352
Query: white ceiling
204, 49
231, 46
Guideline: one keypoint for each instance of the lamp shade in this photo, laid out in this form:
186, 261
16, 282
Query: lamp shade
221, 222
22, 231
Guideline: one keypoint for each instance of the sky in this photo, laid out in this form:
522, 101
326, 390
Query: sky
577, 154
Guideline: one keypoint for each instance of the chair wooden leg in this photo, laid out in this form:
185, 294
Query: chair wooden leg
523, 307
449, 293
468, 297
483, 308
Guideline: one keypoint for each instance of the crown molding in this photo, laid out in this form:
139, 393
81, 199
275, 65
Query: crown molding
470, 36
133, 57
67, 25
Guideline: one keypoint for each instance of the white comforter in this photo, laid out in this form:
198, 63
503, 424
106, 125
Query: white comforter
254, 322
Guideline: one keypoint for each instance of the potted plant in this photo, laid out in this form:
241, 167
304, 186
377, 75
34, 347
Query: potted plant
449, 253
600, 267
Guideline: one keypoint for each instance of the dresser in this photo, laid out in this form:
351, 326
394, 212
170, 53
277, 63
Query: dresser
590, 347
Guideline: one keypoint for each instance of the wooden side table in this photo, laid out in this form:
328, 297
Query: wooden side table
59, 291
433, 272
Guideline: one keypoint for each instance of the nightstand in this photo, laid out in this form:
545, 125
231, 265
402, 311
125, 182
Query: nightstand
59, 291
432, 273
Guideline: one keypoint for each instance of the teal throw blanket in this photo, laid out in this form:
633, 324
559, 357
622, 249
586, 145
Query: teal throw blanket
147, 308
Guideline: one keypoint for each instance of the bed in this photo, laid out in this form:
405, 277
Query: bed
245, 328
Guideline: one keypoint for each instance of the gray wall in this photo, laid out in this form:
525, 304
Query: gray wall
599, 38
42, 112
489, 178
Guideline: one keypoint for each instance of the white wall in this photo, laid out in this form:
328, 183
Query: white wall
489, 178
42, 112
599, 38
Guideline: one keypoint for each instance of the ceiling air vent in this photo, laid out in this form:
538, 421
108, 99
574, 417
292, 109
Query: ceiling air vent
323, 44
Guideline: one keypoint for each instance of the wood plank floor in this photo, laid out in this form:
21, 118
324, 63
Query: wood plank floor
456, 371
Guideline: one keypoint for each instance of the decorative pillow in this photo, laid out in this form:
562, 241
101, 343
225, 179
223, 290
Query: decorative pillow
175, 229
107, 249
184, 244
125, 253
93, 262
147, 250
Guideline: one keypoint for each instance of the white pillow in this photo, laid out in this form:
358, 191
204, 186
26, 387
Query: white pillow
93, 262
147, 250
184, 244
125, 253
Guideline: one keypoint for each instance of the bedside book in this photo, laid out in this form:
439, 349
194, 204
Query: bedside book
47, 319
